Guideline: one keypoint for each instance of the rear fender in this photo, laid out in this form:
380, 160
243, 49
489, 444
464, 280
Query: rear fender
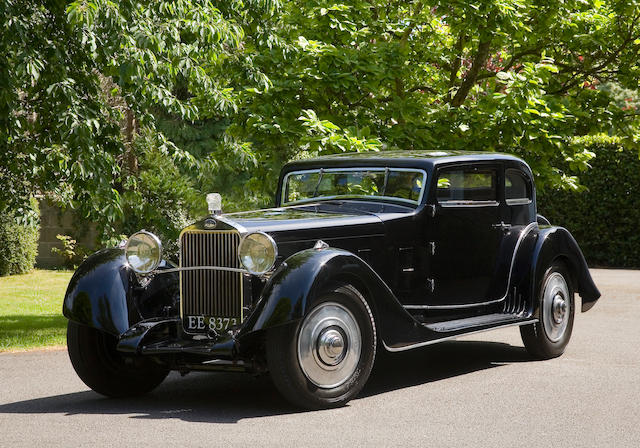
557, 244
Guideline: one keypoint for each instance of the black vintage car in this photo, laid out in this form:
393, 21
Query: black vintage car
362, 252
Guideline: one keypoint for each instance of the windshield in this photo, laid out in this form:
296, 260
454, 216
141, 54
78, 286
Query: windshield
398, 184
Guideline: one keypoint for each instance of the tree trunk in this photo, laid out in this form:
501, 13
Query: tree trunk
130, 159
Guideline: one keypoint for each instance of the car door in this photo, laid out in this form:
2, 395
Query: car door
467, 231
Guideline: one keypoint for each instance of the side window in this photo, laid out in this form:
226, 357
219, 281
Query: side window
466, 186
517, 188
403, 184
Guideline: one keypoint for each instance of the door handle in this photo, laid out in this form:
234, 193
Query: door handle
502, 226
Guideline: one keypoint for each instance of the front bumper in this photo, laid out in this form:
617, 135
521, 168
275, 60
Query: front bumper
164, 336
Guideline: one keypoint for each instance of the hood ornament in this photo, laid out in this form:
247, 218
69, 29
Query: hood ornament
214, 202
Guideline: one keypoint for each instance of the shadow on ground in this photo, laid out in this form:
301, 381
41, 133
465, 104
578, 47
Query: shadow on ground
228, 398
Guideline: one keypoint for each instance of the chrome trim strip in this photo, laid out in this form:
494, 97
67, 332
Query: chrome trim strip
524, 233
449, 338
356, 168
195, 268
519, 201
466, 203
450, 307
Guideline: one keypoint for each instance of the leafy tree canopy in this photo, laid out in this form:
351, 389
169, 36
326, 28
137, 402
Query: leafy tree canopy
95, 94
502, 75
79, 80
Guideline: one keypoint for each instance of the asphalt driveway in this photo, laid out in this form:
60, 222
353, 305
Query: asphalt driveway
481, 390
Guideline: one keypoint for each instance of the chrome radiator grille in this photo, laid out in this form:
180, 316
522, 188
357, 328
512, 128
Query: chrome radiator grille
206, 292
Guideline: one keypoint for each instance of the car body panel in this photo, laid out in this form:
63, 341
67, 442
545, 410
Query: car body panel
417, 266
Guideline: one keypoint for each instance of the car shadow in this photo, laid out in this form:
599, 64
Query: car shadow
437, 362
230, 397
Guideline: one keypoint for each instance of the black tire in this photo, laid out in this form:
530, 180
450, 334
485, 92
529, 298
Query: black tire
95, 359
284, 342
546, 339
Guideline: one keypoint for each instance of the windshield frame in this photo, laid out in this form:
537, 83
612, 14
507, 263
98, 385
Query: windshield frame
386, 169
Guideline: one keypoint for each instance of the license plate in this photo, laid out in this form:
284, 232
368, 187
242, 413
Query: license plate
203, 324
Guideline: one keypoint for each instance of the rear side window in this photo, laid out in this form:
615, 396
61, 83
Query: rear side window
467, 186
517, 188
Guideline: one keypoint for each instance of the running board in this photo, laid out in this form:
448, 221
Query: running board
473, 322
403, 348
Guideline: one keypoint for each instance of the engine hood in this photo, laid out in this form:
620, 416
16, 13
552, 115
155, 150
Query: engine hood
310, 222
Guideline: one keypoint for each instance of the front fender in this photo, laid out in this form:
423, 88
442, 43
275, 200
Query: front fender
558, 243
104, 294
304, 275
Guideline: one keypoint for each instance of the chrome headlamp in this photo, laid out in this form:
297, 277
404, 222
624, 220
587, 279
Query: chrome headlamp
257, 252
143, 252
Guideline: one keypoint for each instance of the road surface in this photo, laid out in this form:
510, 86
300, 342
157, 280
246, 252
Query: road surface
481, 390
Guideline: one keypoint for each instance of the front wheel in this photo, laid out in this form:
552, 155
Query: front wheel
324, 360
548, 337
95, 359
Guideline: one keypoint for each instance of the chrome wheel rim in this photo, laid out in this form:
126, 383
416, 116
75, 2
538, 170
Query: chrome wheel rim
329, 345
556, 303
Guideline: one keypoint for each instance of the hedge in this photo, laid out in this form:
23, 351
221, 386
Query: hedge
604, 219
19, 240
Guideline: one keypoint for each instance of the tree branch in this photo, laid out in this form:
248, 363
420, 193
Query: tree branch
457, 63
471, 76
575, 78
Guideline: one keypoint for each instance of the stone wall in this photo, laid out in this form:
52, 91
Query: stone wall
55, 221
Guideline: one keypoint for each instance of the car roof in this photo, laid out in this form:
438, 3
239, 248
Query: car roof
404, 159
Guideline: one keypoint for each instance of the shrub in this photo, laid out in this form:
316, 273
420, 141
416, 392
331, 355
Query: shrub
605, 218
160, 199
19, 232
72, 253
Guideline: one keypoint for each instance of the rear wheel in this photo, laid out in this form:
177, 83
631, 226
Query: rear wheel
325, 359
95, 359
548, 337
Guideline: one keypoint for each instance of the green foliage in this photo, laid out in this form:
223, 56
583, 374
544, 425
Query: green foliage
489, 76
161, 199
19, 234
324, 137
79, 80
131, 111
604, 217
71, 252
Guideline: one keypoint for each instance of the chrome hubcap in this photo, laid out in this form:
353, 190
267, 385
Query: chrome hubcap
555, 307
329, 345
559, 308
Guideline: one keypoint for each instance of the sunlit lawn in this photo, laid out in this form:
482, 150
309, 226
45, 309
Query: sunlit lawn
31, 310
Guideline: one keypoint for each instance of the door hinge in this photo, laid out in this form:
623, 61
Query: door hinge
431, 247
431, 284
432, 210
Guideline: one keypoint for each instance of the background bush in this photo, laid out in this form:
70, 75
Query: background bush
159, 197
19, 234
605, 218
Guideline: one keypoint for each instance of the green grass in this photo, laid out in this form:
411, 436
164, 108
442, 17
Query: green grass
31, 310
